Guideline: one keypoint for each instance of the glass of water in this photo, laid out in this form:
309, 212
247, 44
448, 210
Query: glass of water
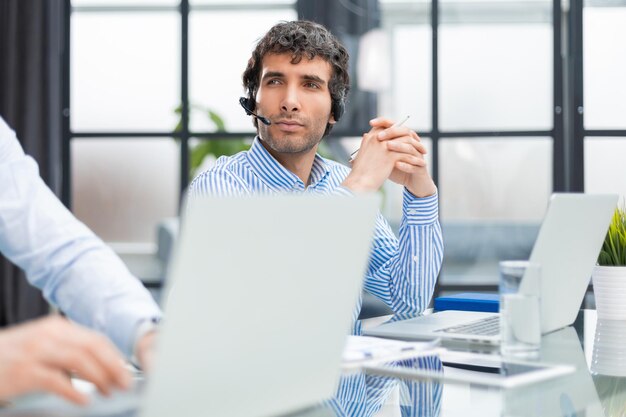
520, 309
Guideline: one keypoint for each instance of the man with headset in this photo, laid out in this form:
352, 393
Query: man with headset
297, 84
77, 273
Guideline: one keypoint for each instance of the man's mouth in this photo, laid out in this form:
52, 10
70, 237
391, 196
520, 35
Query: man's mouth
288, 125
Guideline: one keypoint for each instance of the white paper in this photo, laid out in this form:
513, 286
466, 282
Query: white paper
361, 350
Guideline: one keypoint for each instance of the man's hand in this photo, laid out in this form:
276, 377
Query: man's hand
394, 153
372, 166
409, 167
41, 355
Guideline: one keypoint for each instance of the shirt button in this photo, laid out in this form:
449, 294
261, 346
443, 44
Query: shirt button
411, 211
416, 258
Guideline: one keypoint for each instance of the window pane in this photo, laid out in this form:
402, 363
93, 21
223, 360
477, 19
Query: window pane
220, 44
495, 179
127, 78
411, 79
605, 171
494, 193
604, 67
495, 76
121, 188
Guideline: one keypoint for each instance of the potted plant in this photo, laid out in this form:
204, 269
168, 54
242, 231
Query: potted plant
609, 275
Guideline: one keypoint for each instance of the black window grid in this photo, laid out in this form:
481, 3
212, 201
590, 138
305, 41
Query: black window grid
567, 134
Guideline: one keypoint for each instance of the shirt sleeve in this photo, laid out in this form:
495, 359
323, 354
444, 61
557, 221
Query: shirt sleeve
10, 149
74, 269
403, 271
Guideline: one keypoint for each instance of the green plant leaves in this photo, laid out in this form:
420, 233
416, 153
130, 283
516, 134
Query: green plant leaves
613, 252
217, 121
216, 146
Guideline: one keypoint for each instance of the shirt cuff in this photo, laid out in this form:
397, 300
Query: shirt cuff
420, 210
143, 328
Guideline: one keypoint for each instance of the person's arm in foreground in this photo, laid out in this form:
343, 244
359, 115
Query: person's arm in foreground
75, 270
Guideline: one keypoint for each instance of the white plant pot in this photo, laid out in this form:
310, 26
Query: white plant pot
609, 289
609, 348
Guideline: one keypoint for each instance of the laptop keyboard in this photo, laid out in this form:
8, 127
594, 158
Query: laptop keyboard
489, 326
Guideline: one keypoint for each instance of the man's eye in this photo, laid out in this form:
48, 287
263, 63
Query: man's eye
312, 85
273, 82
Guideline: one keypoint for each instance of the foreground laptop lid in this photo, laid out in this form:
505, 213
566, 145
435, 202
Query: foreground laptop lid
262, 294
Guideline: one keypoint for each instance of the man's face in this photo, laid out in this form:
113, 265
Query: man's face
296, 98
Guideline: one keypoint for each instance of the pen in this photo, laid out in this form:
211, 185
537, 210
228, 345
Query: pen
400, 123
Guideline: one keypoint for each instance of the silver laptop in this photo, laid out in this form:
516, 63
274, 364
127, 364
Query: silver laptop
567, 248
263, 290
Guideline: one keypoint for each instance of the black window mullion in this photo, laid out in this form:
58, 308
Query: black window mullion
434, 134
66, 169
605, 132
574, 147
487, 133
558, 148
184, 94
578, 154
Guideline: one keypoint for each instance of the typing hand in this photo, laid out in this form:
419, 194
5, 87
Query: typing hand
41, 355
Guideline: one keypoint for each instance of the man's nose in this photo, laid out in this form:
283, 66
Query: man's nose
290, 101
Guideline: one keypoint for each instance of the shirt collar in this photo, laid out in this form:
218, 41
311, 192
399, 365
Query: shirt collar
276, 176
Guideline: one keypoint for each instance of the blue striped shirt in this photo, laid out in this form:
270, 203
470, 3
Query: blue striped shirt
401, 272
363, 395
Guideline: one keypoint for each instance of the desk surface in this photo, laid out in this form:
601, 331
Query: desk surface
596, 349
596, 388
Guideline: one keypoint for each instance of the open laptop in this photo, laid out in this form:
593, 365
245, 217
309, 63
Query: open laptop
262, 292
567, 248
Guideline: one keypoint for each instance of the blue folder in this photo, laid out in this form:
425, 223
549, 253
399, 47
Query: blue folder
469, 301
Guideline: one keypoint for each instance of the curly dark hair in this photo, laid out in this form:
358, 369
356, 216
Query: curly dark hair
302, 38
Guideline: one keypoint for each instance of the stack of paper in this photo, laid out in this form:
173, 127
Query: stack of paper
363, 350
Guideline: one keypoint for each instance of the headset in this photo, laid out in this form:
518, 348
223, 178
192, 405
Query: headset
249, 105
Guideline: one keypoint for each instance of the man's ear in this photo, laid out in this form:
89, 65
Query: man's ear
331, 120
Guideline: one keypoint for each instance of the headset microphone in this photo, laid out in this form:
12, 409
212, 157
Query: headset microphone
244, 103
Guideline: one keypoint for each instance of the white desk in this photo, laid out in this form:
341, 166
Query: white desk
578, 394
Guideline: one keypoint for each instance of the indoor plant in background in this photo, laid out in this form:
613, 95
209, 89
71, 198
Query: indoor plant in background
213, 148
609, 275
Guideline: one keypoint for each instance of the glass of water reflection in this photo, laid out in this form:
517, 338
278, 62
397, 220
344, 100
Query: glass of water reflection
520, 308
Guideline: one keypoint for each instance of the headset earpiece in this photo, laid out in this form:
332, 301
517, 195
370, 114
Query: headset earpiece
337, 109
250, 103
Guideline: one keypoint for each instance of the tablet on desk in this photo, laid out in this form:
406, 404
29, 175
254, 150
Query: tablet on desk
490, 370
